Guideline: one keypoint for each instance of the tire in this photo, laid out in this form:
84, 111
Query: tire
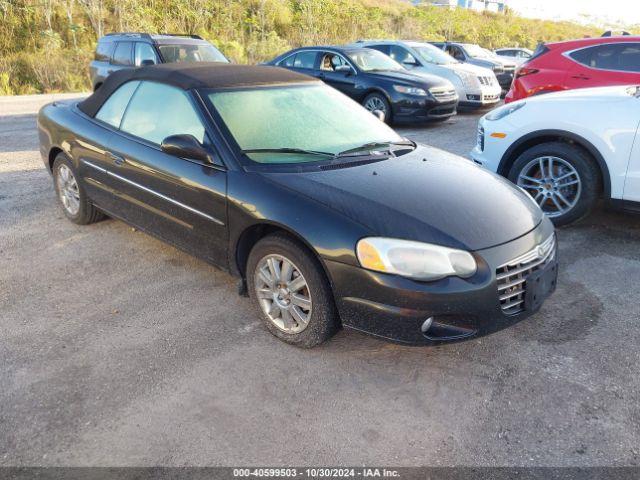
582, 196
381, 100
322, 320
86, 212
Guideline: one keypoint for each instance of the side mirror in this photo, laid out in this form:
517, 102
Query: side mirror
410, 63
147, 62
379, 114
186, 146
344, 69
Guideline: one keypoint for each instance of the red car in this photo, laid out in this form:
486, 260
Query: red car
590, 62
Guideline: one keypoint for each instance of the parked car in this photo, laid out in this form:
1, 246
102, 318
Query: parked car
117, 51
567, 164
584, 63
517, 55
324, 213
376, 81
475, 86
476, 55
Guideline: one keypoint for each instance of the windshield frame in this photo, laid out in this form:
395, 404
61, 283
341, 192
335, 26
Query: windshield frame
469, 47
248, 164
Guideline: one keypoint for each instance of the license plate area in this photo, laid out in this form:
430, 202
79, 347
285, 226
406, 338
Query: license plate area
539, 286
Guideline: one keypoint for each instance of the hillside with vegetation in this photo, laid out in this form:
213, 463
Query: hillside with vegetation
46, 45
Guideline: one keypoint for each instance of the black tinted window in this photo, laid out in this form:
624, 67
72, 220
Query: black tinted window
122, 54
623, 57
103, 51
305, 60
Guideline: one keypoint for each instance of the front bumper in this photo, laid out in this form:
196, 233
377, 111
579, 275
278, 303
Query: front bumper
411, 109
396, 308
486, 95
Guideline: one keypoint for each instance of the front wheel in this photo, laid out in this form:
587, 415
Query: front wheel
291, 292
377, 101
562, 178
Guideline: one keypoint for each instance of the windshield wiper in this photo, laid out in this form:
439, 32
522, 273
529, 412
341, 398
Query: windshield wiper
368, 147
289, 150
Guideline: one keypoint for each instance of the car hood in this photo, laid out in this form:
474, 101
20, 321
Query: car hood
428, 195
470, 68
423, 79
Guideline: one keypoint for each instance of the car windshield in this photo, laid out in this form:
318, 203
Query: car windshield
181, 53
370, 60
476, 51
431, 54
316, 120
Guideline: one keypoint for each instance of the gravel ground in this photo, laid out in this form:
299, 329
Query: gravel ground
116, 349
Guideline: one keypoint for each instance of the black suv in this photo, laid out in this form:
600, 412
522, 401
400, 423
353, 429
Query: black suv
116, 51
376, 81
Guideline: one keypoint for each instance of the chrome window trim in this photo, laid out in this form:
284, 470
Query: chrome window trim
152, 192
568, 53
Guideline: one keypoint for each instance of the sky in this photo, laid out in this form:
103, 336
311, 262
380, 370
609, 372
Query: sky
603, 12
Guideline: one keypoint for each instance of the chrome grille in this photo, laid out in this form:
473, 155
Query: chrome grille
512, 276
488, 81
443, 94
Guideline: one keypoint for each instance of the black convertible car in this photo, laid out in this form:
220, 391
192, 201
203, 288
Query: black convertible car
326, 215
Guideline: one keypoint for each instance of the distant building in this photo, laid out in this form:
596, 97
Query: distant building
477, 5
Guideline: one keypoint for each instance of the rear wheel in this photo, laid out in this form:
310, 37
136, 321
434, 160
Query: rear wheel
291, 292
71, 195
377, 101
561, 178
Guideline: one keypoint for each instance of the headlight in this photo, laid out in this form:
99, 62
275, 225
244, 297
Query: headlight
420, 261
503, 111
420, 92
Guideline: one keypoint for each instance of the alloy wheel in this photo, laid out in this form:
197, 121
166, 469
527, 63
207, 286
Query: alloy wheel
553, 183
68, 191
375, 103
283, 293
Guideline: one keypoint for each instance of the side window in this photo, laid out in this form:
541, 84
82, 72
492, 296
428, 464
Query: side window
305, 60
630, 58
287, 62
122, 54
330, 62
103, 51
144, 51
455, 52
155, 120
113, 109
623, 57
401, 55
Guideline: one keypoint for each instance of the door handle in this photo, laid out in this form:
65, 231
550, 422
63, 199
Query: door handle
581, 77
117, 159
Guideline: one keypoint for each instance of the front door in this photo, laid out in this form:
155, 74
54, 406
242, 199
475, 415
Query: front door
336, 71
179, 200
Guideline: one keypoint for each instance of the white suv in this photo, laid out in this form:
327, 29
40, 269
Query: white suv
567, 149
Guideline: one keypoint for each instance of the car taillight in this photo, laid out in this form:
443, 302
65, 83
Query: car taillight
524, 71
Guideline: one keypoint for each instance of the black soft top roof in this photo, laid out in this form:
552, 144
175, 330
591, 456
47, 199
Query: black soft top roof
188, 76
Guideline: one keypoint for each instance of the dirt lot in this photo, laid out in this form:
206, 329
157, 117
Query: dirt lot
116, 349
